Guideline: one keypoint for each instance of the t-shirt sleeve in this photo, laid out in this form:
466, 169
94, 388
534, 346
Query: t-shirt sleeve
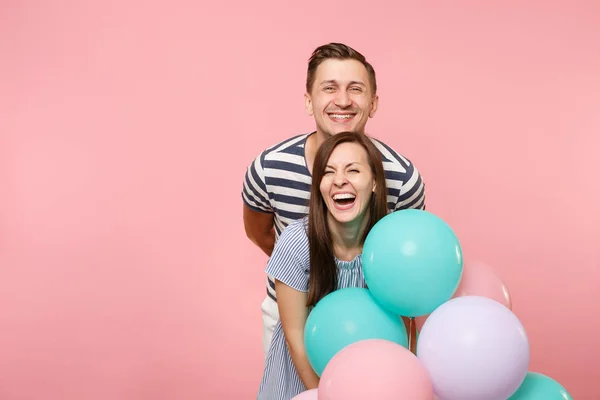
400, 169
289, 262
254, 191
412, 192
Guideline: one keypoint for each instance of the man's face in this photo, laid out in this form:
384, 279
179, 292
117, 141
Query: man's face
341, 98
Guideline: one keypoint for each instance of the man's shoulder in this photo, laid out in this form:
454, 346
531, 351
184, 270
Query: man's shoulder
296, 141
285, 158
390, 155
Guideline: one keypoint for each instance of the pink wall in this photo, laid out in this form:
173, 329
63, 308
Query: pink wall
125, 272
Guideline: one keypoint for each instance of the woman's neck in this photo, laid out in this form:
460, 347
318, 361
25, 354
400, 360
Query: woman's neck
347, 237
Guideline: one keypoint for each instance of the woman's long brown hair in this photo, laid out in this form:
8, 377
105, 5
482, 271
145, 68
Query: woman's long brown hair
323, 269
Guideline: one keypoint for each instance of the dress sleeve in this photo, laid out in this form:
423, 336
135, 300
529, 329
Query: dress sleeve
289, 262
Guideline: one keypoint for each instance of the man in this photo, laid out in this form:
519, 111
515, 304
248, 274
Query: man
341, 95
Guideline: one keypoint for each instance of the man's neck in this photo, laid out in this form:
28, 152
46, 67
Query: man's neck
313, 142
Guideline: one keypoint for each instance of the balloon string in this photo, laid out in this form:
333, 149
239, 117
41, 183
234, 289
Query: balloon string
412, 335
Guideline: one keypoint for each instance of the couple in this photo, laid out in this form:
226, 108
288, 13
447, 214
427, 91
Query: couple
351, 181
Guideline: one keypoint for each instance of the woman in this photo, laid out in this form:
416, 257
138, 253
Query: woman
322, 253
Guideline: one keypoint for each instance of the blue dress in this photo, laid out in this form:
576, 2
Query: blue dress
290, 264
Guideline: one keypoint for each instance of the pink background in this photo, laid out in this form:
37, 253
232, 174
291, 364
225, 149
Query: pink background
126, 128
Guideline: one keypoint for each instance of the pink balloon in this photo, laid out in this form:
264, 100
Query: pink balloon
419, 321
375, 369
482, 280
311, 394
478, 279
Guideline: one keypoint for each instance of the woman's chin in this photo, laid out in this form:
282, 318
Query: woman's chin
346, 217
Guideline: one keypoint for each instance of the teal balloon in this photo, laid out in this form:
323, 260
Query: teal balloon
538, 386
412, 262
346, 316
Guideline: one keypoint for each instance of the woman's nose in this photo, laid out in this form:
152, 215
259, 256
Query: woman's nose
340, 179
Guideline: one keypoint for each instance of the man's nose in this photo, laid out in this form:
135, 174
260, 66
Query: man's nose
342, 99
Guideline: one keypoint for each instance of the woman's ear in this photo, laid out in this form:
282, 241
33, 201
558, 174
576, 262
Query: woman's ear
374, 186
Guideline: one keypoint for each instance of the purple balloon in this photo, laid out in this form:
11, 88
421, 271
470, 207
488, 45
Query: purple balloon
474, 348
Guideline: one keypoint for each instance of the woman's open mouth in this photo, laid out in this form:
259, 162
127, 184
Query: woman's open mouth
344, 201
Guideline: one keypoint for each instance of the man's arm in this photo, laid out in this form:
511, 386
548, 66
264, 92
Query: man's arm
258, 215
259, 229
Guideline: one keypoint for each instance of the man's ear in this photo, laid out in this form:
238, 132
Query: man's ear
308, 104
374, 104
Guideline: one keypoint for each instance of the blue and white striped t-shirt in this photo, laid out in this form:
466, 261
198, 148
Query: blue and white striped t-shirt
278, 182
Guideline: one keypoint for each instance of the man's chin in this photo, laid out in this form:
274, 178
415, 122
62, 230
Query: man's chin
340, 129
334, 130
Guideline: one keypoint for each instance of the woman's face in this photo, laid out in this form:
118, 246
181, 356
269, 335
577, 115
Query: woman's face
348, 183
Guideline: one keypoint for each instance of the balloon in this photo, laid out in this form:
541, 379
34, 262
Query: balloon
482, 280
311, 394
375, 369
412, 262
474, 348
478, 280
538, 386
346, 316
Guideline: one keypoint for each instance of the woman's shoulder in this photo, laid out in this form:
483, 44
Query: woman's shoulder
291, 252
296, 230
